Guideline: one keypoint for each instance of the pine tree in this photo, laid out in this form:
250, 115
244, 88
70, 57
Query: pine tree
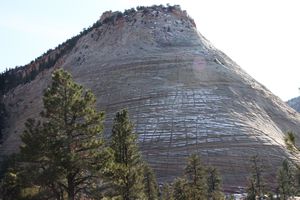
251, 190
286, 180
181, 189
257, 178
150, 184
10, 186
214, 183
12, 182
127, 175
290, 141
196, 176
65, 149
167, 193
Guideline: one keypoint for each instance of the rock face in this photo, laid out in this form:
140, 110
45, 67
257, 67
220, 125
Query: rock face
294, 103
184, 95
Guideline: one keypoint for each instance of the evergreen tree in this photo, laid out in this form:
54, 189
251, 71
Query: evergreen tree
10, 186
214, 183
180, 189
290, 141
150, 184
65, 150
251, 190
286, 181
197, 179
257, 178
13, 183
297, 178
127, 175
167, 193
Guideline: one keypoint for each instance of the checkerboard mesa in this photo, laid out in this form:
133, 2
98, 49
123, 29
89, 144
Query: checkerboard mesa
184, 95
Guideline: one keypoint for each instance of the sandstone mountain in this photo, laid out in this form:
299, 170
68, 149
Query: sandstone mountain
294, 103
183, 94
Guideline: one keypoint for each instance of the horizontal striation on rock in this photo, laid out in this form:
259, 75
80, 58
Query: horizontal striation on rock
183, 95
180, 109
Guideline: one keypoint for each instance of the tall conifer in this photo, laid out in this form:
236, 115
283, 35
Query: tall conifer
150, 184
214, 184
127, 175
197, 178
65, 148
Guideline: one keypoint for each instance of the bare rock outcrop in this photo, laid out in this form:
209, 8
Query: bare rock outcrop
294, 103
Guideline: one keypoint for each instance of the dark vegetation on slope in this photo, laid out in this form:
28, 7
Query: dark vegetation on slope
11, 78
3, 115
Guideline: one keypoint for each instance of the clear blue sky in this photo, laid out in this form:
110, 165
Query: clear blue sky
262, 36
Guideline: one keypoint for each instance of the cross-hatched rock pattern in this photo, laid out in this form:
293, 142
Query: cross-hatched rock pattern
183, 95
